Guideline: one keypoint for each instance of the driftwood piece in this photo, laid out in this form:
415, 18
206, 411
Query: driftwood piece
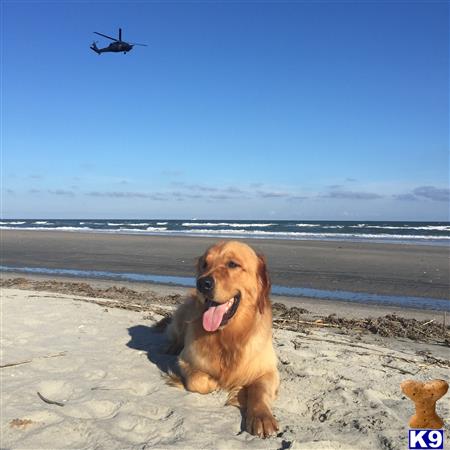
50, 402
27, 361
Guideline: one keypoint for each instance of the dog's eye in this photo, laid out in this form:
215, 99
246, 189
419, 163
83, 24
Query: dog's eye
232, 265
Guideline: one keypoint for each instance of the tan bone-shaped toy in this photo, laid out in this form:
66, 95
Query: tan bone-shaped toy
425, 395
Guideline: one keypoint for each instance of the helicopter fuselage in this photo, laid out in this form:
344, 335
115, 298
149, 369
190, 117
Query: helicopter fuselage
116, 47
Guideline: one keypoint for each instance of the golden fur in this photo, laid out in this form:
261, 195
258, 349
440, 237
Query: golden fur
239, 356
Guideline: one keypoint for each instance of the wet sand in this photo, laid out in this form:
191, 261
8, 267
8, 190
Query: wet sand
388, 269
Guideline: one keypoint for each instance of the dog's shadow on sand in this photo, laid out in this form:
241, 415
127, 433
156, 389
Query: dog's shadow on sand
154, 342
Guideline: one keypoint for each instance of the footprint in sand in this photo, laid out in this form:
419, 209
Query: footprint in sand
30, 424
68, 435
57, 390
138, 388
63, 364
135, 429
92, 409
44, 417
96, 374
150, 411
152, 426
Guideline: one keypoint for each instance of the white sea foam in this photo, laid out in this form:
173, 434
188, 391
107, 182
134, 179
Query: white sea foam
121, 230
137, 224
374, 236
124, 230
275, 234
12, 223
434, 227
43, 222
406, 227
225, 224
307, 225
112, 224
49, 228
242, 232
161, 223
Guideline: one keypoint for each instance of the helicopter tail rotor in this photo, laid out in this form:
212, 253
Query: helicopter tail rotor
120, 34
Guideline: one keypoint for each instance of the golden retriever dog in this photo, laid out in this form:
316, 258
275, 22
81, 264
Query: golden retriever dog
224, 333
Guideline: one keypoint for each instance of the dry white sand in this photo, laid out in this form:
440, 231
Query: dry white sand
338, 391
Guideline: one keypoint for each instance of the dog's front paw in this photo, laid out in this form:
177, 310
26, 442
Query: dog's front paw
261, 424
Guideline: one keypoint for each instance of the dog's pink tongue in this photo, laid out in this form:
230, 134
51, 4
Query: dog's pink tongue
212, 317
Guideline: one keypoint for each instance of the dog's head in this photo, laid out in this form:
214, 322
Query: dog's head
230, 275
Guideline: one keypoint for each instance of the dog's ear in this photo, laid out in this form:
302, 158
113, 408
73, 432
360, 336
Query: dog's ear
264, 283
199, 264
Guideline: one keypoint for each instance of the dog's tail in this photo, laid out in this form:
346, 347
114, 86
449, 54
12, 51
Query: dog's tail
161, 325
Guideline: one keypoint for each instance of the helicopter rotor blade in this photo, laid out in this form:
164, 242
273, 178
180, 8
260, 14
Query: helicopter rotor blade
104, 35
120, 34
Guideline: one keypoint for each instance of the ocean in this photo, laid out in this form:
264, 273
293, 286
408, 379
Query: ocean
430, 233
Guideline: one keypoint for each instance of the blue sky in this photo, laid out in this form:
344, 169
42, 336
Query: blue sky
288, 110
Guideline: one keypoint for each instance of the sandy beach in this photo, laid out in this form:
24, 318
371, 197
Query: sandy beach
87, 346
104, 366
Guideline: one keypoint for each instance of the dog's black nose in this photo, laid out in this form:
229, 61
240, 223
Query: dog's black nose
205, 285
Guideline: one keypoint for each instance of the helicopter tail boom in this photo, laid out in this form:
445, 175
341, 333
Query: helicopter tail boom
95, 48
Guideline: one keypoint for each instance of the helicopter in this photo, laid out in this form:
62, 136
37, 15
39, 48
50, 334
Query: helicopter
117, 46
